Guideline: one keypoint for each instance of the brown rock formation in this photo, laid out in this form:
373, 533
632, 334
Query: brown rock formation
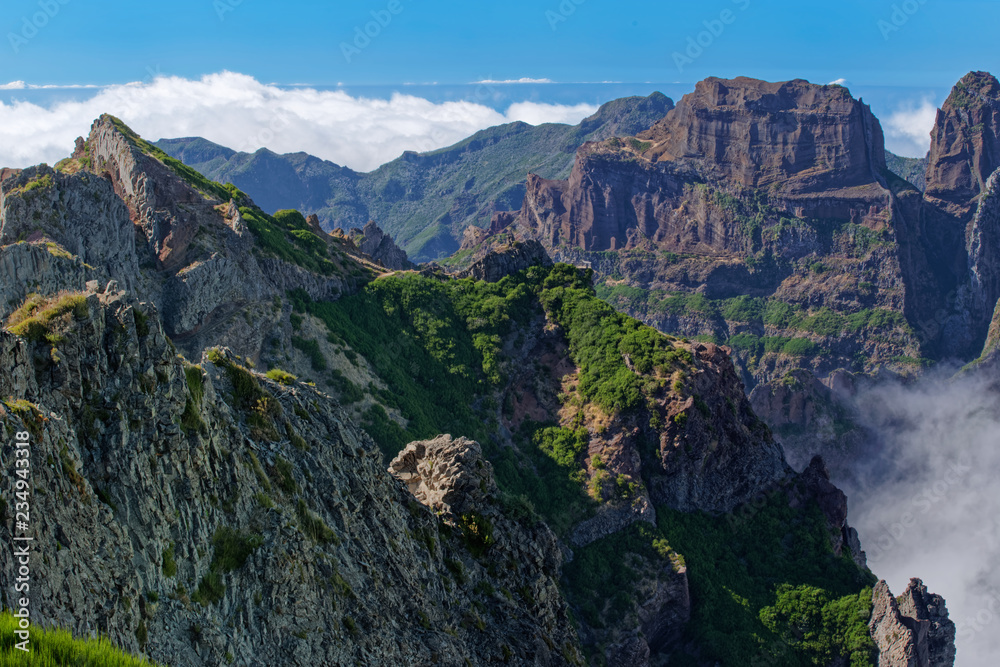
965, 146
798, 136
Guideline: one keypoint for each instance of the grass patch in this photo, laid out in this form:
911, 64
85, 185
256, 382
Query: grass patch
313, 526
231, 549
281, 377
54, 646
34, 319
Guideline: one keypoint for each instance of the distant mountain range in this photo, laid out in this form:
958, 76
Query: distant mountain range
424, 200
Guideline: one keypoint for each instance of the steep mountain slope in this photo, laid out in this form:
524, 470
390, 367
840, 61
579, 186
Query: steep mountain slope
754, 214
245, 518
424, 200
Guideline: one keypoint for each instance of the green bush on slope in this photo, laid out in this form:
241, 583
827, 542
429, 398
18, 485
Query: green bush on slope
58, 647
751, 580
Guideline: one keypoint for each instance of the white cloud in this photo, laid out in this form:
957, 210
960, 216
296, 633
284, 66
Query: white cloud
507, 81
14, 85
237, 111
929, 505
908, 129
838, 82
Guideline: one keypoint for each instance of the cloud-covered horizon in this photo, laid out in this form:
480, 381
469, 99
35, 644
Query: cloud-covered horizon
237, 111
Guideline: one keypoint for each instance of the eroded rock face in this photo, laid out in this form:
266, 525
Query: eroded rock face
145, 472
381, 248
965, 144
714, 469
913, 630
78, 212
799, 136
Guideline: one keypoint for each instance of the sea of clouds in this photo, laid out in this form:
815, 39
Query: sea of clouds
238, 111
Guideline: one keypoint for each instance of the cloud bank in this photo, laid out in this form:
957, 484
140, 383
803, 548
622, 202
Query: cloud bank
237, 111
908, 129
934, 511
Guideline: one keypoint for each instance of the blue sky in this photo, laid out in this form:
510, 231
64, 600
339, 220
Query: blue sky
902, 56
458, 42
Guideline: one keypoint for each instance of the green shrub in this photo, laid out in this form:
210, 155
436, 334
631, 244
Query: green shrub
169, 566
310, 348
285, 476
281, 377
737, 563
33, 319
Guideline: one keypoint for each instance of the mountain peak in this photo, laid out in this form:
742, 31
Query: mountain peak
806, 137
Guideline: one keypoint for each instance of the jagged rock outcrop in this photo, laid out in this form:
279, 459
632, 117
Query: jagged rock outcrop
204, 515
506, 261
814, 484
913, 630
810, 416
380, 247
714, 453
128, 216
965, 145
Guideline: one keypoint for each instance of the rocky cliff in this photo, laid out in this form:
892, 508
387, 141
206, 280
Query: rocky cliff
248, 518
381, 248
204, 514
800, 138
754, 214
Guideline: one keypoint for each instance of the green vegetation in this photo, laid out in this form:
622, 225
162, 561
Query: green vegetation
737, 567
313, 526
231, 549
310, 348
58, 647
823, 628
191, 421
601, 576
417, 333
286, 236
347, 391
259, 406
34, 319
601, 339
169, 565
281, 377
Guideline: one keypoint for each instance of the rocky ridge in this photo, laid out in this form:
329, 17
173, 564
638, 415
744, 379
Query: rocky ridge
234, 498
233, 531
